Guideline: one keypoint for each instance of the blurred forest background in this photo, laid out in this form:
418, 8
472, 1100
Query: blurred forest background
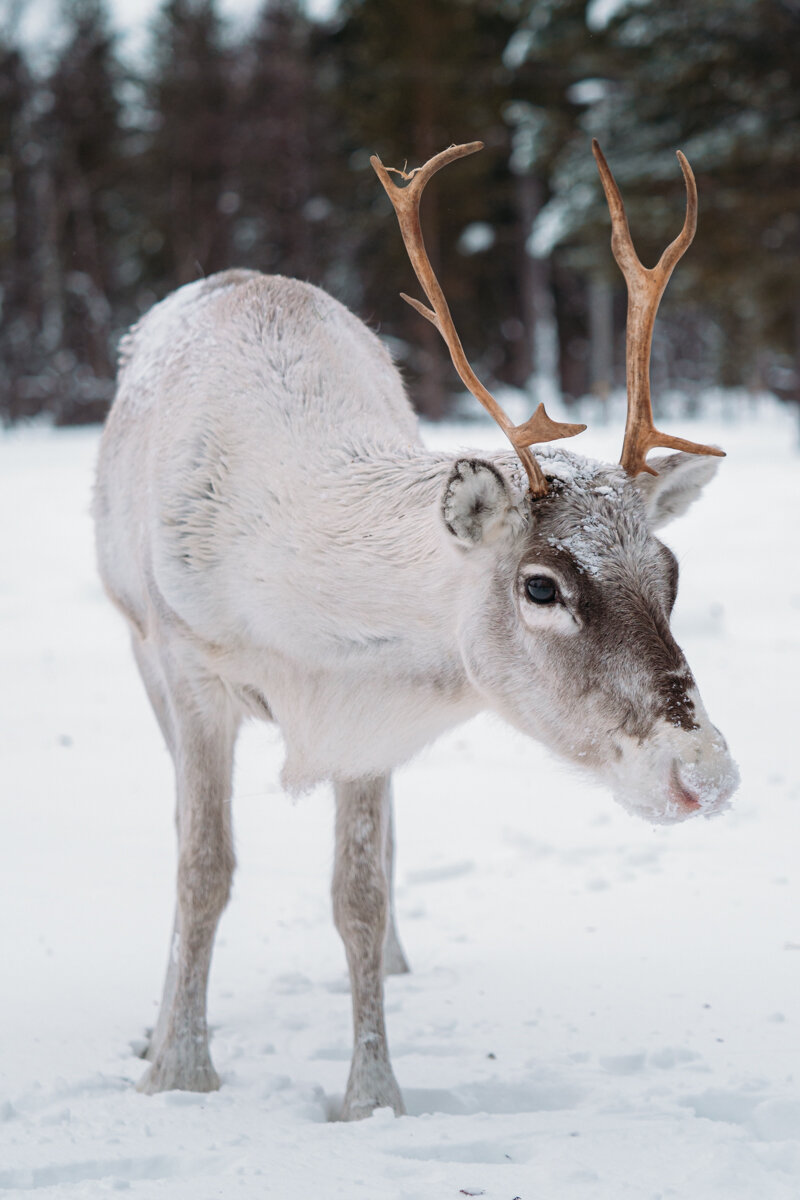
121, 180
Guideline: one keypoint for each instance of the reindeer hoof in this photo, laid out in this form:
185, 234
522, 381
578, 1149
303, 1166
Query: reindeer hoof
173, 1071
361, 1102
355, 1111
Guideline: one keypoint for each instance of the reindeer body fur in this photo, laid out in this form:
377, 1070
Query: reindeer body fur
256, 542
284, 546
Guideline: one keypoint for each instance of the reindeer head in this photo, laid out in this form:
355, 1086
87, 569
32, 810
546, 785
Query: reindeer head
565, 621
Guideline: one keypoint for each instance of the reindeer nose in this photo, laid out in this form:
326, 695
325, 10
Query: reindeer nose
706, 787
687, 800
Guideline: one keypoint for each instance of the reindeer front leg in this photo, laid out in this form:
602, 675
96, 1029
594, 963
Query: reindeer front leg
361, 912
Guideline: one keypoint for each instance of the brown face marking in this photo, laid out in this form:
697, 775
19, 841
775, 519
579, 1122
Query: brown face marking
678, 706
626, 651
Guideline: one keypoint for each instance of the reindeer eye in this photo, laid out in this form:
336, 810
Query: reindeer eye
540, 589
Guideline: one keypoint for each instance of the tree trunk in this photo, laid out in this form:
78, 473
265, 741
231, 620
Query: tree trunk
431, 391
601, 339
538, 305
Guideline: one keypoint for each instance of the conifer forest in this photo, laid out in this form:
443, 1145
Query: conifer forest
123, 177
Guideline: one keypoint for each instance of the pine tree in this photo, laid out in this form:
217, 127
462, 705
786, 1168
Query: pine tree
20, 313
719, 79
278, 144
81, 129
187, 197
414, 77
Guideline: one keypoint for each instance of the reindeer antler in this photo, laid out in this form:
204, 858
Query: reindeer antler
645, 289
405, 201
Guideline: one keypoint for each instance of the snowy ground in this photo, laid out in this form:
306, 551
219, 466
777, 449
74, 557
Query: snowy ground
598, 1009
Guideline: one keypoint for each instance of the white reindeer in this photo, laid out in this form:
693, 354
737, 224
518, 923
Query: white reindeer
283, 546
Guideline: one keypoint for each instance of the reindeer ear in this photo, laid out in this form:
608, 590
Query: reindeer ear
476, 502
680, 480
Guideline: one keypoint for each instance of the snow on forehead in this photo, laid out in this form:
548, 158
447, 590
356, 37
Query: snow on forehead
585, 477
576, 469
599, 515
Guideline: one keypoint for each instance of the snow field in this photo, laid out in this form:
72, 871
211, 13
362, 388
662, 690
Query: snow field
598, 1009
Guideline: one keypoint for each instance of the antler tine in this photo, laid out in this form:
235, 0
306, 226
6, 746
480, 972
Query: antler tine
645, 289
405, 201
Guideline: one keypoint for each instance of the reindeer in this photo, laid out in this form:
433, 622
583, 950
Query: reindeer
284, 547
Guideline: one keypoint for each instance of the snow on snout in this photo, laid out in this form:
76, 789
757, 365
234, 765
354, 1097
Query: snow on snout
677, 774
